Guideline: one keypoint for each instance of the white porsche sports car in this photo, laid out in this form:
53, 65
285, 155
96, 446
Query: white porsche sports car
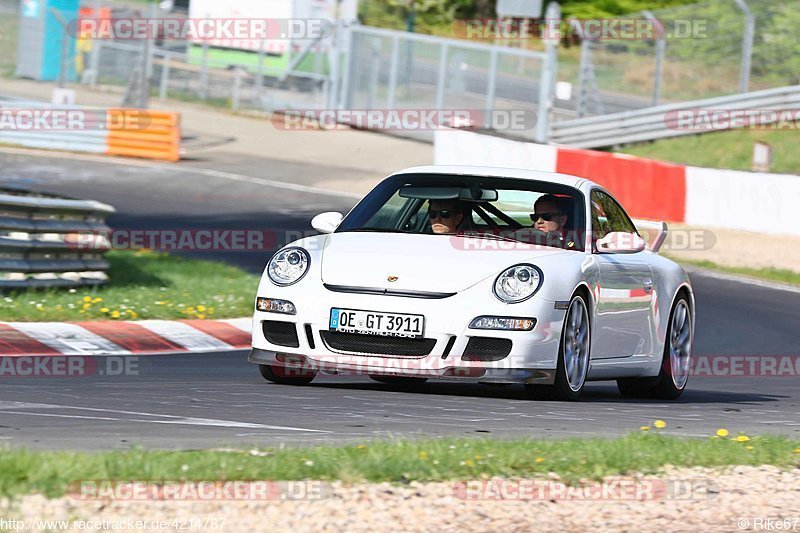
485, 274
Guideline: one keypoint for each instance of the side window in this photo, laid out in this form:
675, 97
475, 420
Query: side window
608, 216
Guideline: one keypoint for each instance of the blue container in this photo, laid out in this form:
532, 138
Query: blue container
41, 36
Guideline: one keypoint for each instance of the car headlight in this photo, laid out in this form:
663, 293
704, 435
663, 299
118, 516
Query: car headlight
288, 266
518, 283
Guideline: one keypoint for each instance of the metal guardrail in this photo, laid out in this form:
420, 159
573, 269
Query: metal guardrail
659, 122
39, 244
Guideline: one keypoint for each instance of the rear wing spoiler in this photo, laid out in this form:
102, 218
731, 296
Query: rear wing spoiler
655, 233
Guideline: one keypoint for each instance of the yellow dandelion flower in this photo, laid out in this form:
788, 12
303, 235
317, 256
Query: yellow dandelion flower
104, 309
97, 300
87, 298
722, 432
86, 306
362, 446
644, 428
539, 460
201, 316
749, 448
660, 424
201, 308
797, 450
469, 462
114, 314
423, 455
742, 438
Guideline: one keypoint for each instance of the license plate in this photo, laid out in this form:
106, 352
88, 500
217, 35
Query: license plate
377, 323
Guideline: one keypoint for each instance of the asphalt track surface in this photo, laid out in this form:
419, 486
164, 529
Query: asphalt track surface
206, 401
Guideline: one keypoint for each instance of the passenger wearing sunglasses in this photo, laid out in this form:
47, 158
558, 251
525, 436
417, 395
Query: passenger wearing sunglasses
445, 215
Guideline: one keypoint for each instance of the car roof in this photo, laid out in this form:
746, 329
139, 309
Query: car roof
500, 172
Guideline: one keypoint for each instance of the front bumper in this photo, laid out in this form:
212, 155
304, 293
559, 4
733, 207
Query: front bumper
531, 358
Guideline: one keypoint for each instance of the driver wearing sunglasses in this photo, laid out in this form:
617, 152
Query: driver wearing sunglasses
445, 215
547, 215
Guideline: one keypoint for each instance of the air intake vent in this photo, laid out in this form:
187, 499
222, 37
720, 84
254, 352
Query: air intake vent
280, 333
486, 349
376, 344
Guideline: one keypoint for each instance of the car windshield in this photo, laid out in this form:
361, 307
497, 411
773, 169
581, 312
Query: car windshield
472, 206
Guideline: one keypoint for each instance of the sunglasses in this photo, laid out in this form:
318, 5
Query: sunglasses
441, 213
547, 217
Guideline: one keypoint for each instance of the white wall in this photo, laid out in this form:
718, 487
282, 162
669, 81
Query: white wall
457, 147
734, 199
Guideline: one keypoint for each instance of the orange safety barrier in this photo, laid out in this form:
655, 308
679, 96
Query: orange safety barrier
648, 189
144, 133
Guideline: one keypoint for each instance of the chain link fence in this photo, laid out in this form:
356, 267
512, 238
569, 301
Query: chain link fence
705, 50
397, 70
716, 48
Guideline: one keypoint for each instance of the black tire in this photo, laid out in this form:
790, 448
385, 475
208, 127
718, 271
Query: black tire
399, 380
561, 389
287, 376
663, 386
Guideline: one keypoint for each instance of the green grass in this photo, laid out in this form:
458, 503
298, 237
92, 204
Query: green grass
770, 274
143, 285
50, 473
726, 149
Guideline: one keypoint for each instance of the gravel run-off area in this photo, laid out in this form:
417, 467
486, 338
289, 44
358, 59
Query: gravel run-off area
698, 499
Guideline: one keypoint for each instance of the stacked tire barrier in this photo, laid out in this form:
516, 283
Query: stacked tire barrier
114, 131
649, 189
39, 244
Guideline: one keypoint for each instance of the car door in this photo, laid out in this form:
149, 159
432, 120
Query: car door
624, 294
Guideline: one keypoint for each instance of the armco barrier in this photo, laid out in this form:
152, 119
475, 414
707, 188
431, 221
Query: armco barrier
37, 246
662, 121
649, 189
116, 131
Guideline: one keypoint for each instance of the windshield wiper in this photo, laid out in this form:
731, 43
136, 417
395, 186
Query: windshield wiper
379, 230
490, 236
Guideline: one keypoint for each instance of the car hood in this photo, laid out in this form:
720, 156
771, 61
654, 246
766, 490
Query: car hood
428, 263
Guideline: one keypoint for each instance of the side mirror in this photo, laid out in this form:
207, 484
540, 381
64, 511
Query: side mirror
327, 222
620, 242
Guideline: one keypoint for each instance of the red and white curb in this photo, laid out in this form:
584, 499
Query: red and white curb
123, 338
